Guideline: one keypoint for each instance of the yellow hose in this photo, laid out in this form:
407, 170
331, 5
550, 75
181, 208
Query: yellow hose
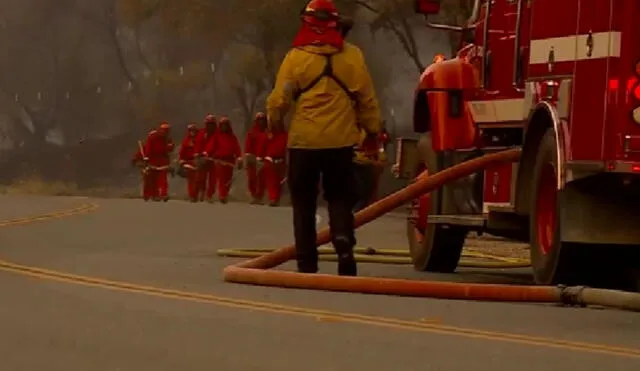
388, 256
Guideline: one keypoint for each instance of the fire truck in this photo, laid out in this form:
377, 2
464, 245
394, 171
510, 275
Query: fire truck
560, 80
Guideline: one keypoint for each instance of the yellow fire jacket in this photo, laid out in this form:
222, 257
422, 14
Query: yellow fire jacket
325, 115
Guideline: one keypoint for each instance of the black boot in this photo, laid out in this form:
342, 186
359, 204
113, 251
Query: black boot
347, 265
307, 259
346, 261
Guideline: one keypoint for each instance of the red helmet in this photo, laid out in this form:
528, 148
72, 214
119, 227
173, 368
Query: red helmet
320, 10
210, 119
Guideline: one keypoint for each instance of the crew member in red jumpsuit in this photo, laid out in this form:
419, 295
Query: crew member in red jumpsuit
138, 161
157, 150
383, 143
275, 165
206, 173
226, 156
254, 145
365, 169
186, 158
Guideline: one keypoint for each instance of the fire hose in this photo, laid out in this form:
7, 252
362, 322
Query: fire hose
389, 256
257, 271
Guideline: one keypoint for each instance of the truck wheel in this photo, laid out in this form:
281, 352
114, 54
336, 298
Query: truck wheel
553, 261
437, 248
433, 247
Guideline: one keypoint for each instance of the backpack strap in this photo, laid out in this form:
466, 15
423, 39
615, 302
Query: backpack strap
326, 72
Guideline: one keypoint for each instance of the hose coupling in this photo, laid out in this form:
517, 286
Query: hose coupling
572, 295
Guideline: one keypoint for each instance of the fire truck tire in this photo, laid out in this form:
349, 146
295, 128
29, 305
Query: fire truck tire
439, 250
436, 248
552, 261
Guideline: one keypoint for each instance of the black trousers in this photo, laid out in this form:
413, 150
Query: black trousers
306, 168
364, 175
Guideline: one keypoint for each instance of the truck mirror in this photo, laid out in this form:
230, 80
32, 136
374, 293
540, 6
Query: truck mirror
427, 7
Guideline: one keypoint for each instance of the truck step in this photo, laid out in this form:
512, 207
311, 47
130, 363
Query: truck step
501, 209
466, 220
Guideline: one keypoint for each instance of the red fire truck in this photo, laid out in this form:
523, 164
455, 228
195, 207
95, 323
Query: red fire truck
559, 79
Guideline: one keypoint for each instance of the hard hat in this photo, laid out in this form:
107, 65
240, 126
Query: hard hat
323, 10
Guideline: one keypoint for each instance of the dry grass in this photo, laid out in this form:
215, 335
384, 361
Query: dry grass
35, 186
497, 246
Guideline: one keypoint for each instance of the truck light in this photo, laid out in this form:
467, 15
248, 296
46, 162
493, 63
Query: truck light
623, 167
636, 92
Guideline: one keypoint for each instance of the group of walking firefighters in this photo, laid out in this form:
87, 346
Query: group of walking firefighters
208, 157
333, 142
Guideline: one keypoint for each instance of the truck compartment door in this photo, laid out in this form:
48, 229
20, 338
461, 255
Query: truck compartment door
590, 83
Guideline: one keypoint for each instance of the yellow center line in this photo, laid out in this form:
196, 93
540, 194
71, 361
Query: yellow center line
316, 314
84, 208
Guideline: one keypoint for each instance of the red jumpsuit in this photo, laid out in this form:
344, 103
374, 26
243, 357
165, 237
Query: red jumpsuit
226, 153
275, 166
254, 145
186, 157
158, 149
382, 143
147, 185
206, 175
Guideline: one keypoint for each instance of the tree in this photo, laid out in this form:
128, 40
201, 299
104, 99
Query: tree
397, 17
248, 79
44, 58
456, 13
104, 13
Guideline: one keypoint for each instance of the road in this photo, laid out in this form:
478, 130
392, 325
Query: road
51, 321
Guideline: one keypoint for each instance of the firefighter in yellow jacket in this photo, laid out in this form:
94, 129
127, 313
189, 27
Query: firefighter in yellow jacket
327, 82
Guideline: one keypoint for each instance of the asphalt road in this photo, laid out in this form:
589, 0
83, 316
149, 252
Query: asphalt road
54, 322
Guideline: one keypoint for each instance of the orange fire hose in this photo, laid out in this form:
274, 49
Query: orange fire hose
256, 271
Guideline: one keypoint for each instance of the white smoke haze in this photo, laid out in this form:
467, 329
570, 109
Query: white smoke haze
76, 72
